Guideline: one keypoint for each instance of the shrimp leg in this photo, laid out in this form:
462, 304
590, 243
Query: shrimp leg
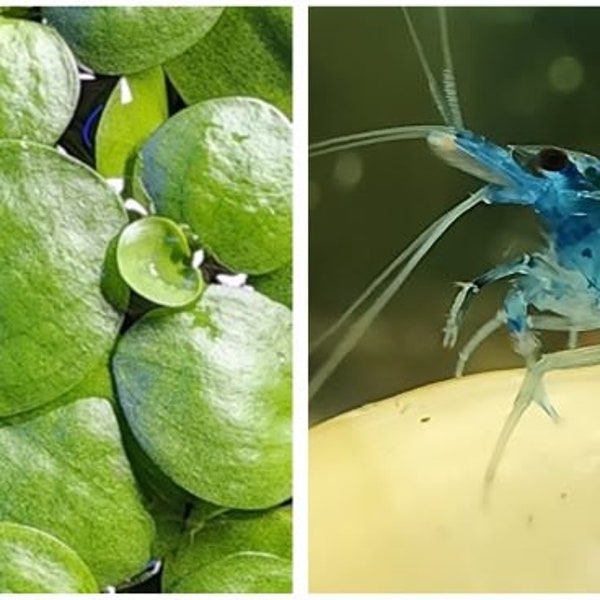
467, 291
532, 390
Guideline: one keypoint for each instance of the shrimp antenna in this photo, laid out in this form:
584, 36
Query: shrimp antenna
449, 78
434, 87
358, 328
370, 138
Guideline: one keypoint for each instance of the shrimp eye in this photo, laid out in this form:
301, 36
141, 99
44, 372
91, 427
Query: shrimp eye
552, 159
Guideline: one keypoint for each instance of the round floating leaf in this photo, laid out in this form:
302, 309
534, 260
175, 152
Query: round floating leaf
129, 39
224, 167
58, 218
135, 108
32, 561
64, 471
154, 259
276, 284
242, 573
234, 552
39, 84
248, 52
207, 393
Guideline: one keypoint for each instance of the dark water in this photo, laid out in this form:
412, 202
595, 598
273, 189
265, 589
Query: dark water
525, 75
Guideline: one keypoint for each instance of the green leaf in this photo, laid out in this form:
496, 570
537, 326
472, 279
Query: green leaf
113, 286
235, 552
173, 523
97, 383
129, 39
248, 52
277, 284
57, 219
154, 259
224, 167
135, 108
32, 561
39, 84
242, 573
64, 472
207, 393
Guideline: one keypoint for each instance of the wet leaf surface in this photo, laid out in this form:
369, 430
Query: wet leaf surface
248, 52
207, 393
238, 551
39, 85
57, 219
129, 39
32, 561
224, 167
154, 257
64, 472
277, 284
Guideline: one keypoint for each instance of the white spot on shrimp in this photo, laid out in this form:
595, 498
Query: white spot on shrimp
347, 171
565, 74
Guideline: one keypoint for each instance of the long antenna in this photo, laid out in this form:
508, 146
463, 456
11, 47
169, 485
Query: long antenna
449, 78
371, 138
358, 328
434, 87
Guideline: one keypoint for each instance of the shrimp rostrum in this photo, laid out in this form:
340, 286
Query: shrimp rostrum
555, 288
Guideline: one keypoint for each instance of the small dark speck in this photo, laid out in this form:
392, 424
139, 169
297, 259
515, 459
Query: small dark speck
425, 419
563, 496
239, 138
587, 252
529, 520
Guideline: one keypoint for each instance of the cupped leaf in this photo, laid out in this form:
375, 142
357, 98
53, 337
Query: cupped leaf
224, 167
234, 552
32, 561
277, 284
248, 52
113, 286
64, 471
129, 39
39, 84
135, 108
58, 218
154, 259
207, 393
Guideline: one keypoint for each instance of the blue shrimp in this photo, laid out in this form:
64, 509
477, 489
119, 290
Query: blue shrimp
560, 280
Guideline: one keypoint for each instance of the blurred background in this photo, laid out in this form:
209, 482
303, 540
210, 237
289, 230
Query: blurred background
526, 75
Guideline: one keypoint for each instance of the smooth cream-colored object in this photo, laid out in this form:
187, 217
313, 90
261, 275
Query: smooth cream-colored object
396, 491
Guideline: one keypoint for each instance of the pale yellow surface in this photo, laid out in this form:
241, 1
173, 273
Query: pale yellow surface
396, 504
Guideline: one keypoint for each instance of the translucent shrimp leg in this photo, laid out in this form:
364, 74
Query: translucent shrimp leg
477, 339
537, 323
532, 390
468, 290
358, 328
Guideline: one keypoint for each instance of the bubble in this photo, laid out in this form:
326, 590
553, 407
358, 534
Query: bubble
348, 170
565, 74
